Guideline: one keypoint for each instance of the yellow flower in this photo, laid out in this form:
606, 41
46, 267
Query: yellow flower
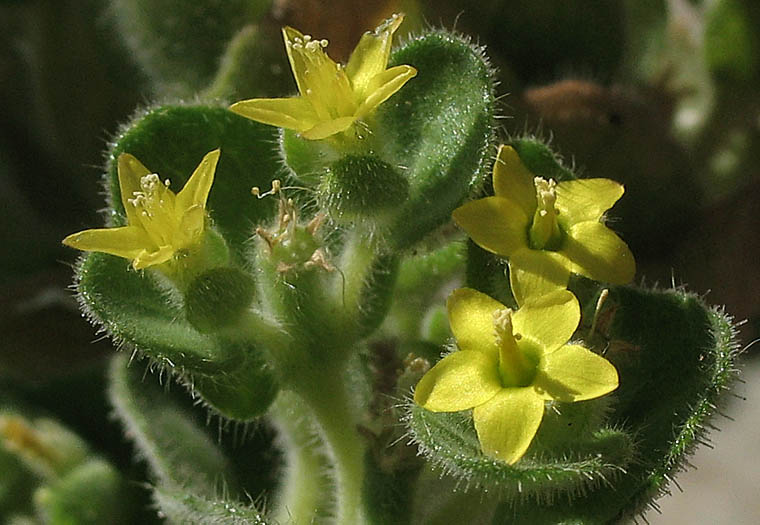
547, 229
159, 223
509, 364
333, 97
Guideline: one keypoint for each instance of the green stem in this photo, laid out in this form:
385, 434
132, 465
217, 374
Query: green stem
355, 264
327, 396
303, 484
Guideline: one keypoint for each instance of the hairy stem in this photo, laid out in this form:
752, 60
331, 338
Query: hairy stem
355, 265
327, 396
304, 481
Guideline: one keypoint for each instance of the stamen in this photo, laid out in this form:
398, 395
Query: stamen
313, 46
502, 324
514, 367
276, 188
599, 304
546, 193
544, 232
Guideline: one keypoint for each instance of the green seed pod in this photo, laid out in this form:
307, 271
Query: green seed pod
217, 298
294, 249
361, 186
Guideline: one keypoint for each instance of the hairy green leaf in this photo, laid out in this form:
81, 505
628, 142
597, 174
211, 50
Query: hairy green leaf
439, 129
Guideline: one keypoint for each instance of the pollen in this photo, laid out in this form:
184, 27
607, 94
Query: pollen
546, 194
502, 324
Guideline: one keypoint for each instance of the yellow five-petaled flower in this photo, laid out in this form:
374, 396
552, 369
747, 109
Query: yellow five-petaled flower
159, 223
333, 97
509, 363
547, 229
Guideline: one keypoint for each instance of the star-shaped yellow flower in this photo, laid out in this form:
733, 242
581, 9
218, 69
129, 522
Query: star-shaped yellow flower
509, 364
547, 229
333, 97
159, 223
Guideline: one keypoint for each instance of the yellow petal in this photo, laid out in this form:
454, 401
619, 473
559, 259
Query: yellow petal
548, 321
471, 320
319, 78
573, 373
293, 113
513, 181
127, 241
191, 228
327, 128
598, 253
197, 187
130, 172
370, 57
507, 423
383, 85
459, 381
153, 258
533, 273
494, 223
585, 199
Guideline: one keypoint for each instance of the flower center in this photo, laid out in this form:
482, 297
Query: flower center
154, 203
322, 81
544, 233
515, 368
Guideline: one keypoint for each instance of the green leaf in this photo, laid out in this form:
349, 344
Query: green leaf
540, 159
171, 141
254, 64
189, 471
177, 452
182, 507
449, 441
241, 395
422, 281
89, 494
675, 356
135, 308
439, 128
178, 44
